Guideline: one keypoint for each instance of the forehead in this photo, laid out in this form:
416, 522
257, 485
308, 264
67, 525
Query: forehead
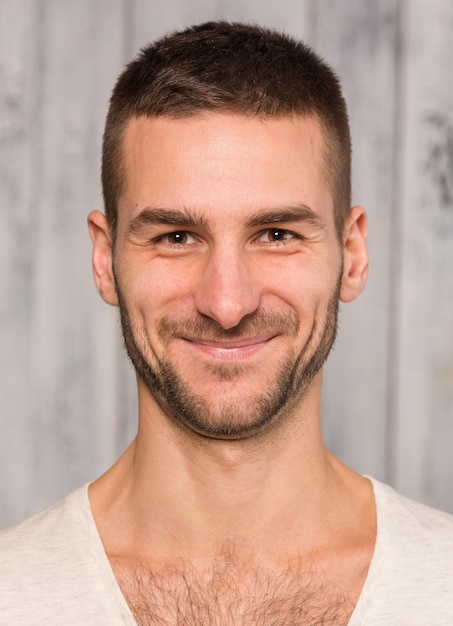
223, 165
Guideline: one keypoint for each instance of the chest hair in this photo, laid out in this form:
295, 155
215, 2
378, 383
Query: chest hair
225, 594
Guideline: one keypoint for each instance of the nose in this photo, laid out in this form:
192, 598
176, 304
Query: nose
227, 291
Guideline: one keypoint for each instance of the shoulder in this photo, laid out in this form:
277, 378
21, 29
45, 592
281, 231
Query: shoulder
39, 538
32, 552
50, 568
405, 521
410, 580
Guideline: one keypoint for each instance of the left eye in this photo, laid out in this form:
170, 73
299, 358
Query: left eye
275, 234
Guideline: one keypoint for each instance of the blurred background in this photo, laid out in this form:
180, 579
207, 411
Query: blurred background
67, 395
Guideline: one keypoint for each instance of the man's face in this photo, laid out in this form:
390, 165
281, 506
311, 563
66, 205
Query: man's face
227, 266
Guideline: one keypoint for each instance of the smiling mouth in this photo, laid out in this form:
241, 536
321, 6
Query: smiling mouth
235, 350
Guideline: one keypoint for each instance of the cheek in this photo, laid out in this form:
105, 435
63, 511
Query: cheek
306, 287
155, 286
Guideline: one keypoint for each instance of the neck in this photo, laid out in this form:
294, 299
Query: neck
175, 492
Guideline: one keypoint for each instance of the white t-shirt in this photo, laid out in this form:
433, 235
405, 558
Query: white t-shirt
54, 571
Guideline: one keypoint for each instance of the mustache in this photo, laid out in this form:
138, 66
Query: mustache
203, 328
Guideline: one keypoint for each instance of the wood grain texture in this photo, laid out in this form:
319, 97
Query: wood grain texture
149, 21
17, 226
60, 398
67, 396
364, 52
424, 406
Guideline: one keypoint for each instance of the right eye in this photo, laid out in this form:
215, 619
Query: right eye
178, 238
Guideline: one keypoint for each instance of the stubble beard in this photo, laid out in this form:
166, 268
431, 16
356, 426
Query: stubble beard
230, 416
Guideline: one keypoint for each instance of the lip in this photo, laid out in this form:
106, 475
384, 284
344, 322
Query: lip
230, 350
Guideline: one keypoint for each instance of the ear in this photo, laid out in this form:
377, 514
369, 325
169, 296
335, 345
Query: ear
102, 257
355, 255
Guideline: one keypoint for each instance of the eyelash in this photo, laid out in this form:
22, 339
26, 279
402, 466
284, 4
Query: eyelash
286, 234
184, 234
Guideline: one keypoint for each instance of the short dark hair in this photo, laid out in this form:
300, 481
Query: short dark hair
229, 68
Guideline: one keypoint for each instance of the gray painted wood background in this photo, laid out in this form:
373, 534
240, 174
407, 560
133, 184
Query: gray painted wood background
67, 396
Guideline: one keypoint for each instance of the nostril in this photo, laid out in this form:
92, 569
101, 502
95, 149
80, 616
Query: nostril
226, 294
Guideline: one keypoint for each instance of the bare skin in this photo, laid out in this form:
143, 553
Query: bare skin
231, 518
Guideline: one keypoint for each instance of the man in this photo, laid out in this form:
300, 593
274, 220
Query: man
227, 243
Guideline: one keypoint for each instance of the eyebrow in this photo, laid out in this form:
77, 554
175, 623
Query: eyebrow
152, 216
187, 218
293, 213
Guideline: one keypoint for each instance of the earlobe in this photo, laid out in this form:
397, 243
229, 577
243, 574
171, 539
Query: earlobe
102, 257
355, 255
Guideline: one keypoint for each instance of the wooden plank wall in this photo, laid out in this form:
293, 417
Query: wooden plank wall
67, 395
